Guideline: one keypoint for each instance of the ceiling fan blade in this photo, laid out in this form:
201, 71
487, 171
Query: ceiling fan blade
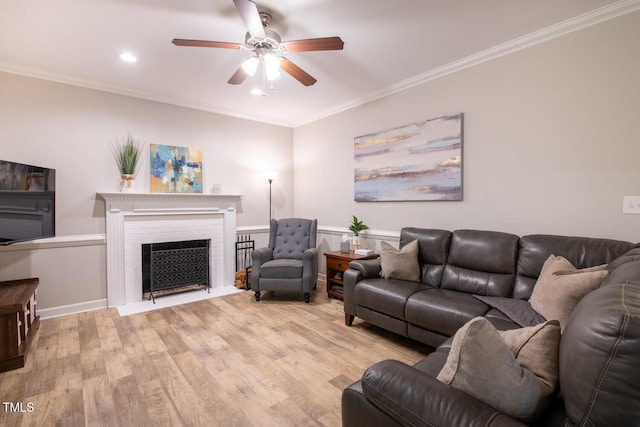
238, 77
306, 45
205, 43
249, 13
296, 72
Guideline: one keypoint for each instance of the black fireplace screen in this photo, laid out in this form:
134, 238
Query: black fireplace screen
171, 267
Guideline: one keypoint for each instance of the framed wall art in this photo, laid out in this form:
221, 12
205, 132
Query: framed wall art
420, 161
175, 169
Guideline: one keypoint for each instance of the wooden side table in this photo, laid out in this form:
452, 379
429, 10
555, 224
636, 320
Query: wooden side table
337, 264
18, 321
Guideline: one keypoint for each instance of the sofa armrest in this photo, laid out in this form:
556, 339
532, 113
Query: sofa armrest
350, 277
370, 268
412, 397
358, 270
260, 256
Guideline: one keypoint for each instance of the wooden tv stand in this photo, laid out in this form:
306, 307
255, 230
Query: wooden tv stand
18, 321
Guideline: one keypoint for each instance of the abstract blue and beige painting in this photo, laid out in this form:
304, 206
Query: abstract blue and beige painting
175, 169
414, 162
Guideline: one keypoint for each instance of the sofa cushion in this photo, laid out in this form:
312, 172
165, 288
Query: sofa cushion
561, 286
442, 310
386, 296
401, 264
481, 263
282, 268
433, 250
482, 365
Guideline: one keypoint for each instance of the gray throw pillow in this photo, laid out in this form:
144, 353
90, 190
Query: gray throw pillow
537, 348
482, 365
561, 286
401, 264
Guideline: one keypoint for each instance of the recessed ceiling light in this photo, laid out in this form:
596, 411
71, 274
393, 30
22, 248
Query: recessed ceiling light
128, 57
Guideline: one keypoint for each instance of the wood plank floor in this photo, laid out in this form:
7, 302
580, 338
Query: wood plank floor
227, 361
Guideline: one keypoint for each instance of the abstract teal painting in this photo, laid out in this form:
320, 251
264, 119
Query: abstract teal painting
416, 162
175, 169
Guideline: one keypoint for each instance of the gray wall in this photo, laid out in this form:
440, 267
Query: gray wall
550, 142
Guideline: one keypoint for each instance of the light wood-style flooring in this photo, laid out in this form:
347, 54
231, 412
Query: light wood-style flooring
228, 361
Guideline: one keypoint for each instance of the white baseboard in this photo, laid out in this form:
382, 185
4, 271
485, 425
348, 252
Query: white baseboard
64, 310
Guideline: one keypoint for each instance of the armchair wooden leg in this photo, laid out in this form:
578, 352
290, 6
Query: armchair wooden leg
307, 296
348, 319
257, 296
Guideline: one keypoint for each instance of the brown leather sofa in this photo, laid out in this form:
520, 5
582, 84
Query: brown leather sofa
599, 348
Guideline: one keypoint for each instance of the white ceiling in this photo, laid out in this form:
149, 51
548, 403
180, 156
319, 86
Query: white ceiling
389, 45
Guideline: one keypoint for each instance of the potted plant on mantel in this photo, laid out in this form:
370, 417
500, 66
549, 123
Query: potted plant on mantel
356, 227
127, 154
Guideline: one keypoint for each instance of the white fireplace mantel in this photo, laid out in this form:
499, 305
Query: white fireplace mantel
126, 211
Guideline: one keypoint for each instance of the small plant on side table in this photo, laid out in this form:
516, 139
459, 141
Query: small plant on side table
356, 227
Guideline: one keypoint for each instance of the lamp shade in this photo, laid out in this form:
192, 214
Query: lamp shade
271, 175
271, 66
250, 65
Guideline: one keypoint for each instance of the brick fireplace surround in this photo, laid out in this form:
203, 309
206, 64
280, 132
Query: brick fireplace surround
134, 219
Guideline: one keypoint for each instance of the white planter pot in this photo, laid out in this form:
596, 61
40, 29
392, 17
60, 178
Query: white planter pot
127, 183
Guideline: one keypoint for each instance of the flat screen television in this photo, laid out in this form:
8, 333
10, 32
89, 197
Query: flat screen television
27, 202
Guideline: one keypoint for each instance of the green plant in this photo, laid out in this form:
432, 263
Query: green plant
127, 153
357, 226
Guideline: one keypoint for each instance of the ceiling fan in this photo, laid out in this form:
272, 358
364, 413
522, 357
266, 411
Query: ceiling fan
266, 43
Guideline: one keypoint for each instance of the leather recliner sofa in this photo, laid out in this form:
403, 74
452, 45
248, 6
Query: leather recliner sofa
599, 349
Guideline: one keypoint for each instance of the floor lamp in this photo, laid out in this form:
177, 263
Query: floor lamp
270, 177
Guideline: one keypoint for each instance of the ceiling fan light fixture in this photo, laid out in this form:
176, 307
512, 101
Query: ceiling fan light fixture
250, 65
264, 43
257, 91
271, 66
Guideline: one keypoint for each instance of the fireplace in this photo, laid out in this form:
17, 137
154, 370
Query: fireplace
136, 219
